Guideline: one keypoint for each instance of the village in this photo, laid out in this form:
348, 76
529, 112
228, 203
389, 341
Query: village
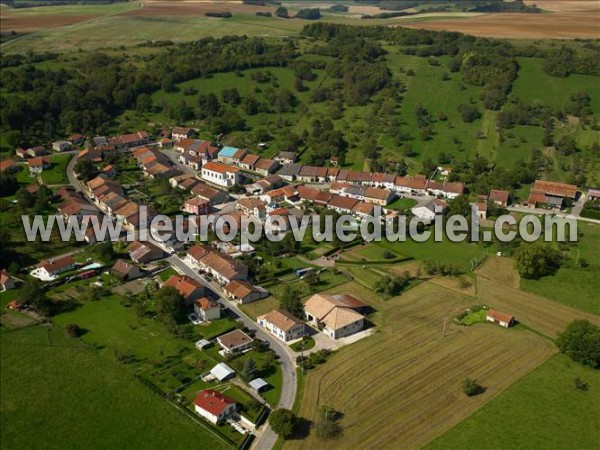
213, 279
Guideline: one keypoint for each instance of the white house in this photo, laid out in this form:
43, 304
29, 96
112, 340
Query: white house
220, 174
428, 211
283, 325
207, 309
46, 270
214, 406
235, 341
61, 146
335, 315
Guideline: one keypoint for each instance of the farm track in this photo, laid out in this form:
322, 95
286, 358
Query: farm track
400, 388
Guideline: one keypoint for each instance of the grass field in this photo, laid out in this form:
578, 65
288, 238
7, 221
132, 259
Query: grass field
54, 387
543, 315
563, 417
57, 173
405, 383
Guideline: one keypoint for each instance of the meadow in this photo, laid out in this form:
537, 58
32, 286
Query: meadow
84, 396
564, 417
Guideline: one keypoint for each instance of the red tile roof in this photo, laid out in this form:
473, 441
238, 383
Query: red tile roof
213, 401
218, 167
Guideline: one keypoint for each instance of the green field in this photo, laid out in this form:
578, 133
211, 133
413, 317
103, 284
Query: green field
542, 410
572, 285
54, 387
57, 173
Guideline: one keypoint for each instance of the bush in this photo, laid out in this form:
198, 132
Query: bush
471, 387
73, 330
282, 422
580, 385
309, 14
222, 15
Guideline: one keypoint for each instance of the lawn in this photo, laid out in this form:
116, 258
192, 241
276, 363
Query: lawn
167, 273
85, 400
423, 398
563, 417
402, 204
57, 173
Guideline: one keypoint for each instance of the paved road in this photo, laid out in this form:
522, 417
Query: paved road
540, 211
266, 438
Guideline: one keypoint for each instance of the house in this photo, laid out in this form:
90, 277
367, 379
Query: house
428, 211
222, 372
109, 171
264, 185
21, 153
196, 205
190, 289
307, 193
176, 181
209, 193
35, 152
235, 341
130, 140
249, 161
335, 315
290, 172
76, 139
244, 292
266, 167
224, 268
481, 209
48, 269
207, 309
363, 209
312, 174
180, 133
252, 206
593, 194
61, 146
76, 207
214, 406
7, 281
231, 155
286, 157
341, 204
445, 189
144, 252
38, 165
282, 324
411, 185
220, 174
7, 165
499, 197
125, 270
378, 196
504, 320
551, 194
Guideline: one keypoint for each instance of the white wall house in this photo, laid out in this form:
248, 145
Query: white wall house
220, 174
283, 325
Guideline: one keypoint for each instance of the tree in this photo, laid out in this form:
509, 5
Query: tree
535, 261
290, 301
282, 422
281, 12
581, 341
309, 14
8, 184
468, 112
471, 387
105, 251
86, 169
25, 198
311, 278
327, 422
249, 372
33, 295
169, 305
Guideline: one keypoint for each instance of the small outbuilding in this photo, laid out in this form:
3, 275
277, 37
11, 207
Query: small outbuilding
258, 384
504, 320
222, 372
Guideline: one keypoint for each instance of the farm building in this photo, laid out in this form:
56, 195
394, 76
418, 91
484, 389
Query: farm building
336, 315
504, 320
551, 194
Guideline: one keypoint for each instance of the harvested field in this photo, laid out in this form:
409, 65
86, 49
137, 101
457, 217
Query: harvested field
497, 286
187, 8
402, 385
561, 25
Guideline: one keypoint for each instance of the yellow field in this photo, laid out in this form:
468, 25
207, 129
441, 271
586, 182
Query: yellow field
400, 388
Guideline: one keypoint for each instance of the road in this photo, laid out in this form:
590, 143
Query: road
266, 439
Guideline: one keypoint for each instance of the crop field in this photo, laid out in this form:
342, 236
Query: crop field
405, 383
53, 387
567, 418
541, 314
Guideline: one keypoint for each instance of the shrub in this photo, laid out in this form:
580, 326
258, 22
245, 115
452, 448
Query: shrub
580, 385
471, 387
73, 330
581, 341
282, 422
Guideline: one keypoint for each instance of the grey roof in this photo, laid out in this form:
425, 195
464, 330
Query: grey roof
222, 371
289, 170
258, 383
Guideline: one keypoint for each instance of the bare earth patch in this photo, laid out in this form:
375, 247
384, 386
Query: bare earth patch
27, 24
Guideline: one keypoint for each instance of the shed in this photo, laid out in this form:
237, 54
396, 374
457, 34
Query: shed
202, 343
258, 384
222, 372
504, 320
